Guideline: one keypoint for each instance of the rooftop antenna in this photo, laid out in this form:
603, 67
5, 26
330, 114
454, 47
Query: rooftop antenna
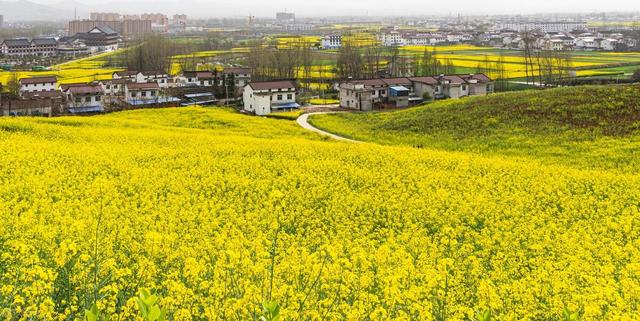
75, 13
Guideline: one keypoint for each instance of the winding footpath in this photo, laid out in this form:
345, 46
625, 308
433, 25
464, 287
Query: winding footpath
303, 121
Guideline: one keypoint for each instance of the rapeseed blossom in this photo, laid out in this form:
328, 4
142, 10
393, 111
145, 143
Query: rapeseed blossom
219, 213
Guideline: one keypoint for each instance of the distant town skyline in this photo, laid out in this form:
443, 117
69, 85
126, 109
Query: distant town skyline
260, 8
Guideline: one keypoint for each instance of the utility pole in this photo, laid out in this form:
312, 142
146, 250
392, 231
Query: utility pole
226, 90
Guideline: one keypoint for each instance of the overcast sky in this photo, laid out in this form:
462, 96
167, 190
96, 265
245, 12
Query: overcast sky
267, 8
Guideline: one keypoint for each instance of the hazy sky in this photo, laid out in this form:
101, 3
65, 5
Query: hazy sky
217, 8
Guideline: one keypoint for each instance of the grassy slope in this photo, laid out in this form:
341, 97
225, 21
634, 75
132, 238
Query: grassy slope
589, 127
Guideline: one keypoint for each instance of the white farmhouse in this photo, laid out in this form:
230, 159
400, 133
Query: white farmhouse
609, 44
140, 93
262, 98
83, 98
37, 84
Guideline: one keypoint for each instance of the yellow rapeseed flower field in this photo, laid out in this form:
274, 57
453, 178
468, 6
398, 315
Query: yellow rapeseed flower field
82, 70
220, 212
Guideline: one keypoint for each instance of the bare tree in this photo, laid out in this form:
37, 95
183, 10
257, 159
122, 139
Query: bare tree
152, 52
350, 62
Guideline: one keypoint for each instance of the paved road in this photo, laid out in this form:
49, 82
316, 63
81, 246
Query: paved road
303, 121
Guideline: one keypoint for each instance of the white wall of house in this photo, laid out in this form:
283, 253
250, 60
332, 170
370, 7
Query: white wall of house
421, 88
140, 95
260, 102
455, 91
113, 89
356, 96
49, 86
84, 100
256, 103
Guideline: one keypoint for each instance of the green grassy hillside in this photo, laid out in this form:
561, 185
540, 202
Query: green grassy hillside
590, 127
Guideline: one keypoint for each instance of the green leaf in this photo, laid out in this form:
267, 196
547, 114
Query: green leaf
92, 314
155, 313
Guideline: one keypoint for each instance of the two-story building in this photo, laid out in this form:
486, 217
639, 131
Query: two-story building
141, 93
83, 98
197, 78
262, 98
114, 87
159, 77
38, 84
241, 76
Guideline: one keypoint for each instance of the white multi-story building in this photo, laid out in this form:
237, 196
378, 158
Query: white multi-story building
40, 47
263, 98
331, 42
391, 38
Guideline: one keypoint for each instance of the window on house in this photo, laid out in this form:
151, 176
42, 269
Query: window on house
290, 96
153, 93
279, 97
98, 98
464, 87
144, 94
79, 100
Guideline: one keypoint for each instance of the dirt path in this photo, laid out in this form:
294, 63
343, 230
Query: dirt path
303, 121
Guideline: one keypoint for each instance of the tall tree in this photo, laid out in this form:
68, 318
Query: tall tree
350, 62
152, 52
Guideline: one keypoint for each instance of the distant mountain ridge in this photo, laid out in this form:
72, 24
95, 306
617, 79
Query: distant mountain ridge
25, 10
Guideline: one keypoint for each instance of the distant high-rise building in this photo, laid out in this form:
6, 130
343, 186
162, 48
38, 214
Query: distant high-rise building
285, 16
156, 18
105, 16
123, 27
180, 19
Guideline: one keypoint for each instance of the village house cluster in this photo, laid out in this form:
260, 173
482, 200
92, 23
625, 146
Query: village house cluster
559, 40
263, 98
558, 36
126, 89
370, 94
